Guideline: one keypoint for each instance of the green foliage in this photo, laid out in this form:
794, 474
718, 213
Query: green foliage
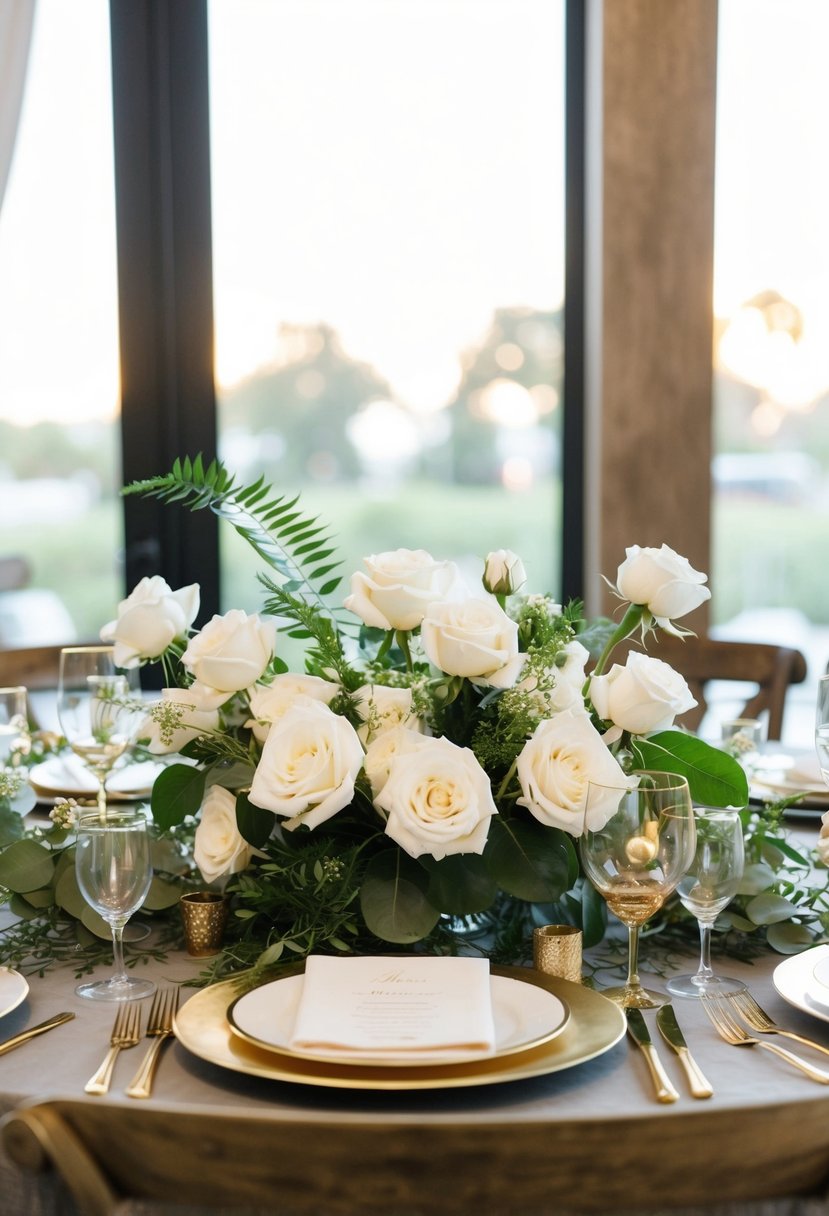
714, 777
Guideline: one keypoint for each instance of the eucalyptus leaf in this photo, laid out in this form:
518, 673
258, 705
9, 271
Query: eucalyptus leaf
177, 793
528, 860
767, 909
68, 894
732, 920
394, 901
25, 865
162, 894
20, 906
788, 938
714, 778
95, 924
11, 826
756, 877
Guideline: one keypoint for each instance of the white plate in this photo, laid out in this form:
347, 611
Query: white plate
797, 983
13, 990
66, 777
524, 1015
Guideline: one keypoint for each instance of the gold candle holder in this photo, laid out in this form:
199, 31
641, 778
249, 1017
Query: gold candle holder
205, 915
557, 951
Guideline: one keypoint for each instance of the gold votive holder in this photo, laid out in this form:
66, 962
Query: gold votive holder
557, 951
204, 914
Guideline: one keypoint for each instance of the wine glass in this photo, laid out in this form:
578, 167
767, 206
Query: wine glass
13, 721
822, 726
114, 872
99, 709
635, 847
710, 883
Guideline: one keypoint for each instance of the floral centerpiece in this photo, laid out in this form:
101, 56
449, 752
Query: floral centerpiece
430, 765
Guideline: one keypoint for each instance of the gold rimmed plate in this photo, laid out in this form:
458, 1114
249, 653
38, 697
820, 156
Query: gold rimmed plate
525, 1015
594, 1026
13, 990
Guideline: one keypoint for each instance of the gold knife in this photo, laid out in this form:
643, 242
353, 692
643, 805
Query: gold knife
41, 1028
699, 1084
640, 1034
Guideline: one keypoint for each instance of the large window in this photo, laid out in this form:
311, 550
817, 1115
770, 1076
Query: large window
388, 218
59, 466
771, 468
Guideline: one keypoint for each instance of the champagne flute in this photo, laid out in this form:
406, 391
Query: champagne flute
13, 720
635, 847
99, 709
114, 872
822, 726
710, 883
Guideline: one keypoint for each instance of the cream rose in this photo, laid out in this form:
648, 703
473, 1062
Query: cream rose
504, 572
438, 800
149, 619
561, 687
664, 582
473, 638
381, 708
174, 720
398, 587
219, 849
383, 751
230, 653
309, 763
643, 696
269, 702
564, 756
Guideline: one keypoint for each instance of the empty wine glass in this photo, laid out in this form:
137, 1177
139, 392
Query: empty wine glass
638, 845
13, 721
822, 726
709, 884
114, 872
99, 709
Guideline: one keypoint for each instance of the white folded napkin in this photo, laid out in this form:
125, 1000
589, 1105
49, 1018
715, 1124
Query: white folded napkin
375, 1006
67, 774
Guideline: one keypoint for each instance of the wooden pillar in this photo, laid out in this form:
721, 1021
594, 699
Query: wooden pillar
651, 96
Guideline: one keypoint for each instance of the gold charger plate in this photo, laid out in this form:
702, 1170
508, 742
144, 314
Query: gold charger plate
595, 1025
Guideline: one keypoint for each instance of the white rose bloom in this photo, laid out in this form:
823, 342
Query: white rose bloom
382, 752
398, 587
174, 720
382, 708
473, 638
230, 653
309, 763
664, 582
504, 572
149, 619
822, 845
269, 702
219, 849
568, 681
565, 755
643, 696
438, 800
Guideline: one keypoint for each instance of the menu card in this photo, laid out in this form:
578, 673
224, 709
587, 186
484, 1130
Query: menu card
395, 1006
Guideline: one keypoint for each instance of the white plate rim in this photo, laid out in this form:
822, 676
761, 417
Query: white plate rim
51, 790
500, 986
794, 977
19, 986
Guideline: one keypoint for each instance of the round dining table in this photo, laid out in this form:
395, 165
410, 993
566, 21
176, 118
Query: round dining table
589, 1137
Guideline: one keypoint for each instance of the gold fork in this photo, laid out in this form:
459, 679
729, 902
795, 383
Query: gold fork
759, 1020
730, 1029
126, 1032
160, 1029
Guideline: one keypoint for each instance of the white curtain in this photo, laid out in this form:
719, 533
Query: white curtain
16, 21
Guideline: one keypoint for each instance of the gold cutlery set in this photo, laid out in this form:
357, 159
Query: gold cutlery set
126, 1033
698, 1084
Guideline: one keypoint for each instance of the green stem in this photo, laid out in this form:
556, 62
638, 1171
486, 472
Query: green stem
624, 629
403, 643
502, 788
385, 646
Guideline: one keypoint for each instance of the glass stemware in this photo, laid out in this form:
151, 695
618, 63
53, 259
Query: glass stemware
709, 884
13, 721
636, 846
822, 726
99, 709
114, 872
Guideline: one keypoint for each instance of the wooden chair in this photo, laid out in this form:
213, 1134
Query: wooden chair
306, 1163
36, 667
703, 660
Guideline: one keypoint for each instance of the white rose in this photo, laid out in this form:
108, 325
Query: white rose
382, 752
269, 702
504, 572
664, 582
822, 845
149, 619
309, 763
562, 684
230, 653
438, 800
398, 587
176, 719
473, 638
382, 708
643, 696
564, 756
219, 849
